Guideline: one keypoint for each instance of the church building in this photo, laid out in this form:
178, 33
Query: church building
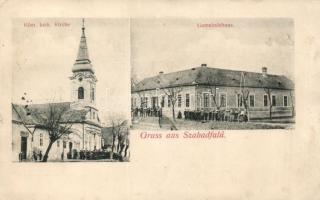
28, 137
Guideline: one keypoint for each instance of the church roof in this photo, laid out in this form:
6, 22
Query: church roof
213, 76
34, 114
83, 62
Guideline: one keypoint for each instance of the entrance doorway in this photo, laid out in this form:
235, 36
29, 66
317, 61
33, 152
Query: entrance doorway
24, 141
69, 154
70, 147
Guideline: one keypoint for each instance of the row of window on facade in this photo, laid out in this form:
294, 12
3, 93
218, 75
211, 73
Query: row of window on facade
208, 100
64, 143
81, 93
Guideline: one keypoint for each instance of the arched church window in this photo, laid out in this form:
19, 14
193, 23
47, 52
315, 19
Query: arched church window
80, 93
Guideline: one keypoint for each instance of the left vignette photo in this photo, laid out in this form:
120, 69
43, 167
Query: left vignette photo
65, 105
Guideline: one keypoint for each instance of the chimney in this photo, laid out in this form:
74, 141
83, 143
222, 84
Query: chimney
264, 71
203, 65
161, 72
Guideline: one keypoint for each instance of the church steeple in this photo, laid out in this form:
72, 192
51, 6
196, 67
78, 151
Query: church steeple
83, 62
83, 79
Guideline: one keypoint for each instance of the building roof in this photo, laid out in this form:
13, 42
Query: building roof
83, 62
35, 113
213, 76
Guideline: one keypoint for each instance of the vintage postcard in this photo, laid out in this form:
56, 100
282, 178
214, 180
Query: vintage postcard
137, 100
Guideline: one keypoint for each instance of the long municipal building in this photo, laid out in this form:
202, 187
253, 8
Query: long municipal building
28, 137
206, 89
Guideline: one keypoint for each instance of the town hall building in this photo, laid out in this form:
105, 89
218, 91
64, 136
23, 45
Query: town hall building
209, 89
29, 138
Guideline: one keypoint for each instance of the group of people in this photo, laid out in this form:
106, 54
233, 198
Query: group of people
82, 154
86, 154
216, 115
231, 114
155, 111
37, 156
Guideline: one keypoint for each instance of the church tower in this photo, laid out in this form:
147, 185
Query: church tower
83, 79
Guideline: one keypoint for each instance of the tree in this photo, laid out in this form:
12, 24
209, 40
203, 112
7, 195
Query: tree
56, 120
117, 124
53, 118
213, 89
26, 126
244, 99
292, 103
134, 79
142, 97
172, 94
123, 139
127, 145
268, 92
244, 94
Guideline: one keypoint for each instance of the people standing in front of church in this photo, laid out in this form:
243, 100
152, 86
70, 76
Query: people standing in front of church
35, 157
40, 156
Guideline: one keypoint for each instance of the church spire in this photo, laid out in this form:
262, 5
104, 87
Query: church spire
83, 62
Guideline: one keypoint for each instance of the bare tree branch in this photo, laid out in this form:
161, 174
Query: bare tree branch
57, 121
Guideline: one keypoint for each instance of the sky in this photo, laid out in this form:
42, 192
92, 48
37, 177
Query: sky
43, 58
170, 45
